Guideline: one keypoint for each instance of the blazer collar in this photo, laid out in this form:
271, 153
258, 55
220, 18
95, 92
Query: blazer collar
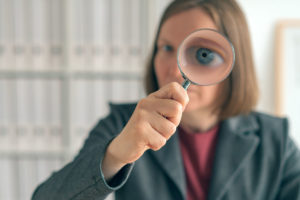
234, 146
170, 159
236, 143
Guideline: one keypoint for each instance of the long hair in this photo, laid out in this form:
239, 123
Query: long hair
240, 90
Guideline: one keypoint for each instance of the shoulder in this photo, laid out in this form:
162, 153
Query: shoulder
271, 124
122, 111
257, 122
267, 118
270, 130
122, 107
273, 133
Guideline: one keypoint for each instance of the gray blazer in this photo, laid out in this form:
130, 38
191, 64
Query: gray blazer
255, 159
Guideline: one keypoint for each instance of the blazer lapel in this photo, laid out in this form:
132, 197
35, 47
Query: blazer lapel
235, 145
170, 159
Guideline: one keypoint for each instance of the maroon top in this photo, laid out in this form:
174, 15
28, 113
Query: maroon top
198, 154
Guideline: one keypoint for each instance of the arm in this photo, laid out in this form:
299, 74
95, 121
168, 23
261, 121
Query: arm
82, 178
104, 163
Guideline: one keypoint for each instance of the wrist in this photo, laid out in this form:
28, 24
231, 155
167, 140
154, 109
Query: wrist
111, 164
113, 154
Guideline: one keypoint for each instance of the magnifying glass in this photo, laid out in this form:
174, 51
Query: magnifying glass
205, 57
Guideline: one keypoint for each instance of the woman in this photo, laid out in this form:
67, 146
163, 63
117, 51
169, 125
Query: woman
203, 143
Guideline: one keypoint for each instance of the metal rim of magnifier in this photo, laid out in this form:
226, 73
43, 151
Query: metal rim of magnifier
205, 29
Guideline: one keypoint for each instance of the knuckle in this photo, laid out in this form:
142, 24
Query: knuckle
142, 103
160, 142
170, 131
178, 119
186, 99
173, 128
141, 115
173, 86
177, 108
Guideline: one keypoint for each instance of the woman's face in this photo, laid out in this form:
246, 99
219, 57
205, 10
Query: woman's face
173, 32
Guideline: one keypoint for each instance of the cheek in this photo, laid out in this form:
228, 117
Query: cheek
212, 93
205, 96
160, 70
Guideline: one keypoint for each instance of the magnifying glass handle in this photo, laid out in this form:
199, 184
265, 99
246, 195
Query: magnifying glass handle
186, 84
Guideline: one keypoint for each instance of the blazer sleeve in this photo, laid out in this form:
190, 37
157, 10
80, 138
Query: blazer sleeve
82, 178
290, 183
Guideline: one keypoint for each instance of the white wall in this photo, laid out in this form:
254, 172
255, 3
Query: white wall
262, 17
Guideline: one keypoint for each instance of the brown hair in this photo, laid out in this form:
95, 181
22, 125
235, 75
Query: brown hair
240, 90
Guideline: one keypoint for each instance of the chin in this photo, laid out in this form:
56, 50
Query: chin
197, 104
192, 107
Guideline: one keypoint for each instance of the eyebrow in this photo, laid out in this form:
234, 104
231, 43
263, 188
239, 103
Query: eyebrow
163, 40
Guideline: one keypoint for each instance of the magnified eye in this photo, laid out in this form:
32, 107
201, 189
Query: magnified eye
208, 57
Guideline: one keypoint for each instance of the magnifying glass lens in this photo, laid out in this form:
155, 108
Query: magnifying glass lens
205, 57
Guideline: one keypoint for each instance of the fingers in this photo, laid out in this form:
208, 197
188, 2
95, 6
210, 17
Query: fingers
154, 140
168, 108
172, 91
163, 126
154, 120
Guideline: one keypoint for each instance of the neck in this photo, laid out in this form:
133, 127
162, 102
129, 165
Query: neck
198, 121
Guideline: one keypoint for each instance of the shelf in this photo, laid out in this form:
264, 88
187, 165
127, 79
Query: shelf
125, 75
33, 154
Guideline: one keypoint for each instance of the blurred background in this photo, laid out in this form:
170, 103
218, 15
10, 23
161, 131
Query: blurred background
62, 61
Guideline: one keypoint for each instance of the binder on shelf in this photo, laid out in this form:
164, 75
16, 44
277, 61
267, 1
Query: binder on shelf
2, 101
40, 128
81, 57
40, 51
2, 57
3, 35
54, 117
119, 35
21, 45
11, 111
125, 91
7, 138
87, 17
81, 112
77, 48
24, 100
23, 129
7, 141
102, 93
56, 27
89, 105
27, 171
135, 47
88, 57
6, 58
7, 183
101, 31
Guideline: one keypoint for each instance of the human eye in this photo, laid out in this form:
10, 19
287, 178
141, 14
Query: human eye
167, 48
205, 57
208, 57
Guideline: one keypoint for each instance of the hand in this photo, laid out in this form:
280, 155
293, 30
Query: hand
153, 122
